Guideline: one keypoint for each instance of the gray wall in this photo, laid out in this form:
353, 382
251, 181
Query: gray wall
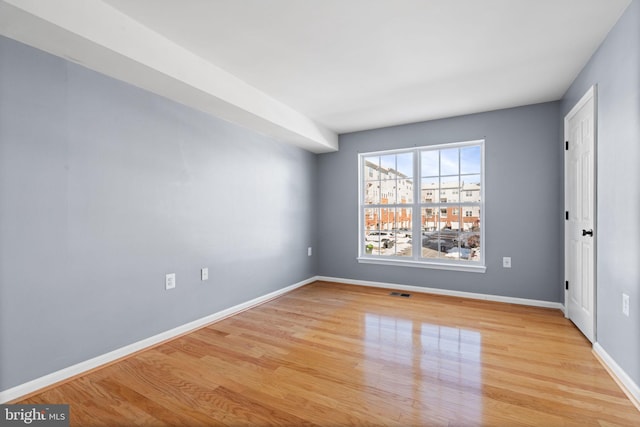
104, 188
615, 68
523, 211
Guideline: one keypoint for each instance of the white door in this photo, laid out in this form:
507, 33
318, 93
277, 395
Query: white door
579, 232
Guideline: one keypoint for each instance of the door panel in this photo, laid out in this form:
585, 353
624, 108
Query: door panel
580, 195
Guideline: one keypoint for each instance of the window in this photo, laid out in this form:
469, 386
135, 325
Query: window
402, 224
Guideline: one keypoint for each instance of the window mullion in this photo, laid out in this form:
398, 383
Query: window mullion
416, 231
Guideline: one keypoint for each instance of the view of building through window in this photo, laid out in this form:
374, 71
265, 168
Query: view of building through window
442, 185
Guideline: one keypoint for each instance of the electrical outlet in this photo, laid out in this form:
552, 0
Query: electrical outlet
309, 251
204, 274
170, 281
625, 304
506, 262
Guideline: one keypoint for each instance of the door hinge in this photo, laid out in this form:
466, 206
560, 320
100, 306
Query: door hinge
566, 145
566, 284
566, 215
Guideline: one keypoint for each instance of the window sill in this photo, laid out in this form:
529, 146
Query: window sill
474, 268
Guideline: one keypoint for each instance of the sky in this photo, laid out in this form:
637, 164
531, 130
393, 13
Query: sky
434, 163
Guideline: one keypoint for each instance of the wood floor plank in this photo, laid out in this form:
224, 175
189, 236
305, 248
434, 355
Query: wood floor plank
332, 354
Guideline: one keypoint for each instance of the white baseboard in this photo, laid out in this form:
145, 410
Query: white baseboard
625, 382
82, 367
471, 295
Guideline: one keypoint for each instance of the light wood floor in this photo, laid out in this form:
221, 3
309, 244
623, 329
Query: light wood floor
329, 354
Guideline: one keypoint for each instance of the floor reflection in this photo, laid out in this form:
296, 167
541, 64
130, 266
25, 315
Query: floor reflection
439, 367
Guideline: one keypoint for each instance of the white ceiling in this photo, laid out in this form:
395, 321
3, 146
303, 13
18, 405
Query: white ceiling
335, 66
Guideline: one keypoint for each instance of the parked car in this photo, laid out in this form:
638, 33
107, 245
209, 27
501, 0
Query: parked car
386, 239
442, 240
405, 232
438, 244
375, 236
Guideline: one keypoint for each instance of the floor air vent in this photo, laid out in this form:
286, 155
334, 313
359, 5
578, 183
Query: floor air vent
399, 294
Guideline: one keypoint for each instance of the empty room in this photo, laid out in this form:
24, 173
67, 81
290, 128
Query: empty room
320, 212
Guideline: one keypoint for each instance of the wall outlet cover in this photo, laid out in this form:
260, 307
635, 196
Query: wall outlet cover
506, 262
204, 274
170, 281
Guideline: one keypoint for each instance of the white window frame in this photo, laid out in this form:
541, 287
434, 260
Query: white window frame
416, 207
